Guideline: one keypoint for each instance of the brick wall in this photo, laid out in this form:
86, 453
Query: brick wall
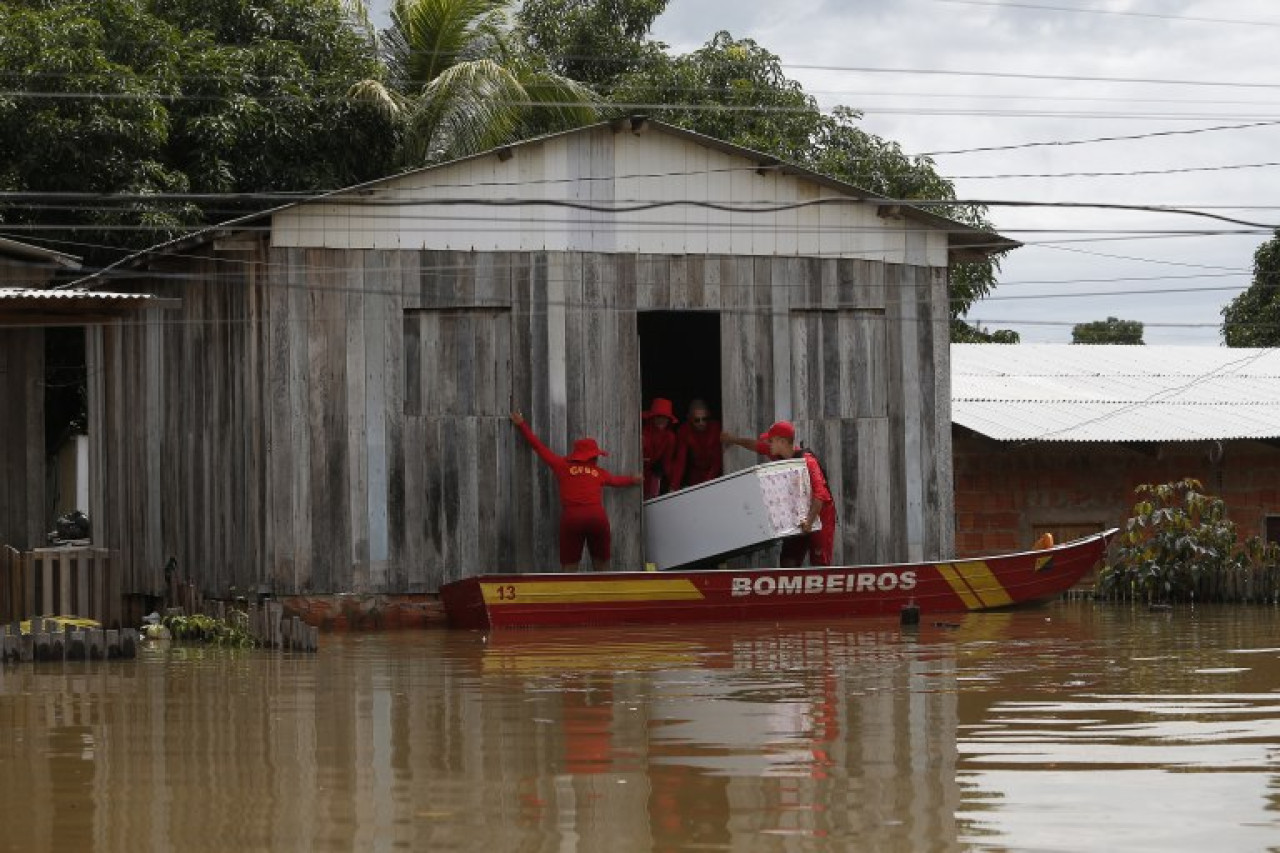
1007, 493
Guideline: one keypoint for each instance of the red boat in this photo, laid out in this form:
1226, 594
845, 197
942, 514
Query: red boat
728, 595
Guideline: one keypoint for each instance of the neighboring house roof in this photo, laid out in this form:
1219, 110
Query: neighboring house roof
28, 307
1113, 393
37, 254
964, 241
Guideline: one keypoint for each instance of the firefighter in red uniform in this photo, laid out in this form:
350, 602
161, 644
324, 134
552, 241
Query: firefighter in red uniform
659, 443
780, 443
699, 456
582, 482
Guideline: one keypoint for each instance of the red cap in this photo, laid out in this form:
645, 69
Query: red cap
781, 429
661, 408
585, 449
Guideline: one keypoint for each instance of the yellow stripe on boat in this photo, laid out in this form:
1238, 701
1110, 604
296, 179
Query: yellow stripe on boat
974, 582
958, 585
590, 592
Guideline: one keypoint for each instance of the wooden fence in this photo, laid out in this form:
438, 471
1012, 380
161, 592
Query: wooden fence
13, 585
1254, 585
265, 622
80, 581
51, 642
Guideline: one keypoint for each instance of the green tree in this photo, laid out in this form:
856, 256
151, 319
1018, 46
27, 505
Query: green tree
145, 101
1108, 331
972, 333
458, 82
84, 109
592, 41
1252, 319
265, 106
736, 90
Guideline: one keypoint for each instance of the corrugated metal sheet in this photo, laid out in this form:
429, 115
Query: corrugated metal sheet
34, 295
1064, 392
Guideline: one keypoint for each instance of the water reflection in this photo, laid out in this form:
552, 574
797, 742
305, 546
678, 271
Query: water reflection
1071, 728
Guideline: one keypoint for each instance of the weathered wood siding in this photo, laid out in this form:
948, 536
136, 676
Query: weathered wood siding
22, 455
336, 421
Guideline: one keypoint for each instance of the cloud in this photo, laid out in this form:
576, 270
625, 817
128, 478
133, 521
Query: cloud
949, 110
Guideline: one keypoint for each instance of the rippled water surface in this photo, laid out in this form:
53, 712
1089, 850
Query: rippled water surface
1071, 728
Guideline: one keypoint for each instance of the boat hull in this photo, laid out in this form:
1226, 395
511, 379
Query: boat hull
724, 595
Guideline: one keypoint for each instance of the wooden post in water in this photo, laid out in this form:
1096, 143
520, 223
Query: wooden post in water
76, 649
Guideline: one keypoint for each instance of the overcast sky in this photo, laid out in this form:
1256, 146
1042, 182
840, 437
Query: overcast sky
873, 54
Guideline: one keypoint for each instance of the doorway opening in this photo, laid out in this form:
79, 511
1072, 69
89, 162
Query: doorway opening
680, 358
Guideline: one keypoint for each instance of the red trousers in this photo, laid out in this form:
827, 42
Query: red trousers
581, 525
817, 546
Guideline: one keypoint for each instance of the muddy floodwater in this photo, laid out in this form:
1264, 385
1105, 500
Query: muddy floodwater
1076, 727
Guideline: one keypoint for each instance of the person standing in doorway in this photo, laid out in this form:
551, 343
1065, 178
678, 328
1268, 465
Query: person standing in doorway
699, 456
582, 481
659, 442
779, 442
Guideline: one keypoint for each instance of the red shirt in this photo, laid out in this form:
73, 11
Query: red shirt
818, 483
581, 483
659, 449
698, 457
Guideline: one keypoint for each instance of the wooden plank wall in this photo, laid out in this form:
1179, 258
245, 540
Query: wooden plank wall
336, 421
176, 436
22, 453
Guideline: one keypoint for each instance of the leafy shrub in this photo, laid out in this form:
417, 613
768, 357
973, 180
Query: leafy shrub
1180, 546
206, 629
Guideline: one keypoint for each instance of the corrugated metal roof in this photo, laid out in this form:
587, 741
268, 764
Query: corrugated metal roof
1065, 392
25, 306
35, 294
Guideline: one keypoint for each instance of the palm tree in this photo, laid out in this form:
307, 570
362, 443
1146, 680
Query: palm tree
458, 84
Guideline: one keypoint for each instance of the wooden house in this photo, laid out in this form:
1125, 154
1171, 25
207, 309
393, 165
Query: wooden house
24, 312
29, 306
329, 412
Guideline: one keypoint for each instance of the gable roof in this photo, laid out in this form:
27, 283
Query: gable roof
37, 255
1113, 393
962, 239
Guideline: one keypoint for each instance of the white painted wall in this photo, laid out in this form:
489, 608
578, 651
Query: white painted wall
606, 168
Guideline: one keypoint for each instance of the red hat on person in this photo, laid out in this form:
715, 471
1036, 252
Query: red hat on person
585, 449
661, 408
782, 429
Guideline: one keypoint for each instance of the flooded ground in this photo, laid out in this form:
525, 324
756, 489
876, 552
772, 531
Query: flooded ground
1071, 728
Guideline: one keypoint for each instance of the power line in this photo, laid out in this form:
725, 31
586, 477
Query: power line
1220, 271
1036, 7
1098, 139
760, 207
1133, 258
1019, 75
1133, 173
1156, 396
698, 107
